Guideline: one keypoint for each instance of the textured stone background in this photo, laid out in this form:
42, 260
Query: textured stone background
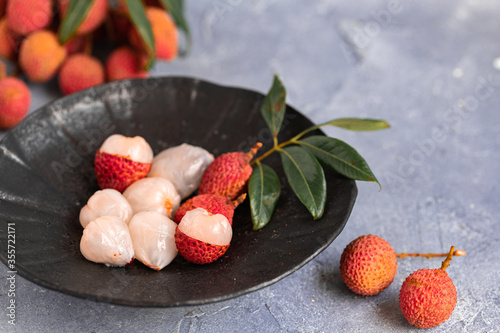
432, 69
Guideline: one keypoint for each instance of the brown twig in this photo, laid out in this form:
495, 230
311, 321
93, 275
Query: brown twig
446, 262
2, 70
457, 253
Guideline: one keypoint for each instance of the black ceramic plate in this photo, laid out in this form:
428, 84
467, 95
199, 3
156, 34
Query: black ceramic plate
47, 175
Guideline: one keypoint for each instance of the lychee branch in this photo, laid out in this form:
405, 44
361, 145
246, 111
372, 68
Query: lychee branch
446, 262
457, 253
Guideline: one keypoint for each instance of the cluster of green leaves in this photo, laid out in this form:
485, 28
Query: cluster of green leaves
303, 160
79, 9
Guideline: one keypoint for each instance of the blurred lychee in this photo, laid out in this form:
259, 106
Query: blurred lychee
79, 72
125, 63
165, 34
27, 16
76, 45
94, 18
15, 99
8, 41
41, 55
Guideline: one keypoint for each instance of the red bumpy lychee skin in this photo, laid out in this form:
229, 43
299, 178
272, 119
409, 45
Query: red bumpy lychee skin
118, 172
27, 16
428, 296
196, 251
95, 16
368, 265
228, 174
15, 99
125, 63
79, 72
212, 203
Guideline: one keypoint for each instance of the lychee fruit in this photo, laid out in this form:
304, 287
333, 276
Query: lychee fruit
212, 203
15, 99
9, 43
76, 44
201, 237
106, 240
228, 174
79, 72
27, 16
121, 161
368, 265
183, 165
125, 63
153, 236
165, 34
153, 194
428, 296
94, 18
41, 55
106, 202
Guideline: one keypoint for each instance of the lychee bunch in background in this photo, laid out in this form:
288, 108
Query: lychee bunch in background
86, 43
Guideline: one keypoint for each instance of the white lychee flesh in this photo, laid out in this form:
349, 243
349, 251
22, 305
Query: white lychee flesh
182, 165
203, 226
106, 240
135, 149
106, 202
153, 236
153, 194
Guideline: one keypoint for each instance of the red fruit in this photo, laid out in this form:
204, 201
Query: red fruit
368, 265
164, 33
228, 174
212, 203
2, 7
121, 161
201, 237
76, 45
94, 18
9, 42
27, 16
428, 296
125, 63
15, 99
80, 72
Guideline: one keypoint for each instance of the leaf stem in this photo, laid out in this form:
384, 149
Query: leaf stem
277, 147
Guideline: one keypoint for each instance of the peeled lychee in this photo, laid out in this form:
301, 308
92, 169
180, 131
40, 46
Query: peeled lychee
106, 240
15, 99
8, 41
153, 238
228, 175
201, 237
164, 33
95, 16
41, 55
183, 165
212, 203
125, 63
368, 265
106, 202
27, 16
79, 72
428, 296
121, 161
153, 194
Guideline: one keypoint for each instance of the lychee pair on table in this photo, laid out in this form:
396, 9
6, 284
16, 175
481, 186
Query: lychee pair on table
147, 221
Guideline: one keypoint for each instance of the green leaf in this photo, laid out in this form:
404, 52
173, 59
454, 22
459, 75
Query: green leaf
176, 10
77, 11
306, 178
359, 124
140, 21
339, 156
264, 190
273, 106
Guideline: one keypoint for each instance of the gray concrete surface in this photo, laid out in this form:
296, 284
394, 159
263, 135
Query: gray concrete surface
432, 69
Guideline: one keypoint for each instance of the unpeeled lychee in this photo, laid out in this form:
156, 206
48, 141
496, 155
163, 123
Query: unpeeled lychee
201, 237
368, 265
228, 174
125, 63
212, 203
8, 41
428, 296
80, 71
121, 161
165, 34
27, 16
41, 55
95, 15
15, 99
